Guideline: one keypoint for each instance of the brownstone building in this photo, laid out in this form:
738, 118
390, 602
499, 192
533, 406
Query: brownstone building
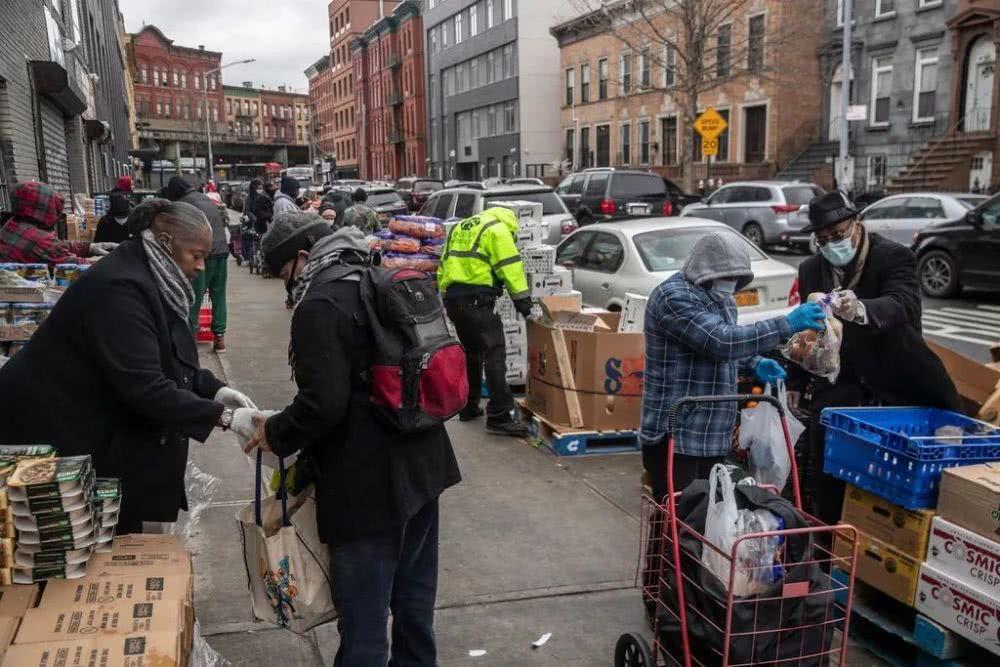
389, 91
622, 103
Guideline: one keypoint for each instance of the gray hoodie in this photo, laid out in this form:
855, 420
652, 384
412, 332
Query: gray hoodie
718, 255
284, 204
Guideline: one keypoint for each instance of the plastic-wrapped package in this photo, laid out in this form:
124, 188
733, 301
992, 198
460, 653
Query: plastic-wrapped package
818, 352
435, 250
417, 226
402, 244
416, 261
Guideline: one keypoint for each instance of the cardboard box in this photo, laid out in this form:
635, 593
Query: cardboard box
515, 333
55, 623
147, 542
139, 562
968, 556
161, 649
978, 384
584, 379
20, 332
559, 281
541, 259
102, 590
970, 497
23, 294
17, 600
516, 376
907, 530
8, 628
959, 607
525, 210
884, 567
633, 318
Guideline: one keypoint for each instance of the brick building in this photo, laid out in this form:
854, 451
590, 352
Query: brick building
621, 103
321, 105
63, 100
389, 94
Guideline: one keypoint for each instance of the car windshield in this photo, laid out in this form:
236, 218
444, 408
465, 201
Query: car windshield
667, 249
550, 201
376, 199
971, 202
797, 195
427, 186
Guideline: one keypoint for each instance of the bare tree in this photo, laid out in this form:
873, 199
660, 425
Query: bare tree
700, 45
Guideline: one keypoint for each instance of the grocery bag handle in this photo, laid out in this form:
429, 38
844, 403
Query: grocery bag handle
282, 492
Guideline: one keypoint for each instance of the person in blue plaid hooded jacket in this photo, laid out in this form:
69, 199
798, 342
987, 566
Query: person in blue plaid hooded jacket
694, 347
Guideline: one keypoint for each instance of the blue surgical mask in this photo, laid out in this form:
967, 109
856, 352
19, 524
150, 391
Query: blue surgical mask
725, 285
839, 253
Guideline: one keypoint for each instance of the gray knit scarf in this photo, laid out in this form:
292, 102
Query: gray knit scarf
327, 252
174, 286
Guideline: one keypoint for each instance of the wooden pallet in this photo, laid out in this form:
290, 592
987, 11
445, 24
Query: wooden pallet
568, 441
902, 637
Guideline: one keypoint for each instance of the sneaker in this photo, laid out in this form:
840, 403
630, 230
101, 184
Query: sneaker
219, 344
509, 427
469, 413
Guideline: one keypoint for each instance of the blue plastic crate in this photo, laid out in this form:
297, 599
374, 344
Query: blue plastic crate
894, 453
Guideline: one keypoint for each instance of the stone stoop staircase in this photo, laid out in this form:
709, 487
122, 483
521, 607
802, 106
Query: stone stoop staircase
806, 165
943, 164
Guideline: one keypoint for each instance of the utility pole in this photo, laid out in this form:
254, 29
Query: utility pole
845, 99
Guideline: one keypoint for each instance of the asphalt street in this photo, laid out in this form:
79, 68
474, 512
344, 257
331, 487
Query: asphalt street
968, 324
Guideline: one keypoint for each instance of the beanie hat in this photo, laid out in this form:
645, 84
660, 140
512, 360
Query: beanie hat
290, 233
290, 186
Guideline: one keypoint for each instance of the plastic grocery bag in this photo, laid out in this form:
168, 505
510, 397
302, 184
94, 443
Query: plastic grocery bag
762, 435
288, 568
818, 352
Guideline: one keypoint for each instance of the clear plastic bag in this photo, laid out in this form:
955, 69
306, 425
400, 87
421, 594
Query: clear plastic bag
818, 352
762, 435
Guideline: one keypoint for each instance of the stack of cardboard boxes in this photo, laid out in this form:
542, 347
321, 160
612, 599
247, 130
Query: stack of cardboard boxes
82, 215
134, 607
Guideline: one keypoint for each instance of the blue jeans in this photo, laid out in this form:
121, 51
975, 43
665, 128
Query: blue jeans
390, 570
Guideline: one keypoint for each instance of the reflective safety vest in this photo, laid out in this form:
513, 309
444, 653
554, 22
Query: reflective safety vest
481, 251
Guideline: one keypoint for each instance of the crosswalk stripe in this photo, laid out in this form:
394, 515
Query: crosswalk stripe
965, 312
964, 320
978, 329
956, 336
995, 309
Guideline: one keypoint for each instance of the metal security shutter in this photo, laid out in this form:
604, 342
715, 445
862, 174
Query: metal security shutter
54, 136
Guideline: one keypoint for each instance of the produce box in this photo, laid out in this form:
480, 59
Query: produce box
964, 609
538, 260
33, 294
8, 628
140, 556
968, 556
56, 623
883, 566
162, 649
907, 530
978, 384
633, 318
548, 284
532, 234
102, 590
16, 600
970, 497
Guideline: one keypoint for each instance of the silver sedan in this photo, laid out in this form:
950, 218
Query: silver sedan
612, 259
900, 217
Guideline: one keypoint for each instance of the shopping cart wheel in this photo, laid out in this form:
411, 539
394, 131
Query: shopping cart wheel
632, 651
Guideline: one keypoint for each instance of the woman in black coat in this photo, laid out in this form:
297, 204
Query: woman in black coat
112, 228
113, 372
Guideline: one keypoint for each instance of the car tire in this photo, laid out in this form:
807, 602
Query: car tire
938, 274
754, 234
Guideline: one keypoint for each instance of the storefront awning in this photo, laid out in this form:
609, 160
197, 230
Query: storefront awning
52, 80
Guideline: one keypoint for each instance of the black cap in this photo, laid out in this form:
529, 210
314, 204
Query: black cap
290, 233
829, 209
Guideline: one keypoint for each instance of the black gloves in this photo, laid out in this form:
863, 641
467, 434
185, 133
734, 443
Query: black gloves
523, 306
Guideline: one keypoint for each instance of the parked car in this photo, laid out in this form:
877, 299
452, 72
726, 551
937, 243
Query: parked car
386, 202
960, 253
415, 189
900, 217
524, 180
766, 212
635, 256
603, 194
466, 202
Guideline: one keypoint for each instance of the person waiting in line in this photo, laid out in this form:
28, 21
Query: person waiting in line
361, 215
286, 199
112, 228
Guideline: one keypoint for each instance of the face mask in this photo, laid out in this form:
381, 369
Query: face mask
839, 253
725, 285
121, 221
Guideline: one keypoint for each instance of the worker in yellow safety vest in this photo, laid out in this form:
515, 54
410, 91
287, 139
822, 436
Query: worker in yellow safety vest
480, 257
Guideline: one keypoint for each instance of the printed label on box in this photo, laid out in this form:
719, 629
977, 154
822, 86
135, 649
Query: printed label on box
969, 557
959, 607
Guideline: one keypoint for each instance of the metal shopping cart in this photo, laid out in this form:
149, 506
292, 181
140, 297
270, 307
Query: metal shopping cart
700, 619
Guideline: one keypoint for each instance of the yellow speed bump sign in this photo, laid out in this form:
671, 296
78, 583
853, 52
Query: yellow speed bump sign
710, 124
709, 146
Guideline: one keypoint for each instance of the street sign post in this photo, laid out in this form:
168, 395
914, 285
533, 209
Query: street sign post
710, 124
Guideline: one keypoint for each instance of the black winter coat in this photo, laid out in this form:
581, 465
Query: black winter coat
370, 478
888, 356
113, 373
108, 230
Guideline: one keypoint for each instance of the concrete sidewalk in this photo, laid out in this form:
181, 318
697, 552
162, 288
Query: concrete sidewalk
530, 543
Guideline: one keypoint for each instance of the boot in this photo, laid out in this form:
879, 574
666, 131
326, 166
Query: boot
509, 426
470, 412
219, 344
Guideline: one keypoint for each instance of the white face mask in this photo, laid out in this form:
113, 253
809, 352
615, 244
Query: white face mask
121, 221
725, 285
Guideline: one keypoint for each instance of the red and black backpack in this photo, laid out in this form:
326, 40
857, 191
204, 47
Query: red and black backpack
417, 379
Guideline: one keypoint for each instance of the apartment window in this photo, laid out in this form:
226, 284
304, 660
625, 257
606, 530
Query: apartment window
854, 12
166, 109
473, 16
625, 143
928, 3
755, 43
881, 87
445, 28
508, 9
201, 110
570, 145
177, 78
144, 74
156, 75
584, 147
491, 121
669, 66
625, 73
670, 140
723, 51
184, 80
570, 82
925, 85
159, 109
510, 117
489, 14
602, 79
584, 83
229, 107
197, 81
643, 142
884, 8
458, 28
215, 112
876, 171
723, 155
644, 69
508, 61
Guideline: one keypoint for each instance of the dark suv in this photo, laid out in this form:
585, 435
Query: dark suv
602, 194
415, 190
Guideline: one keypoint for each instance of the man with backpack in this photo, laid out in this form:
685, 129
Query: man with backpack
378, 467
479, 259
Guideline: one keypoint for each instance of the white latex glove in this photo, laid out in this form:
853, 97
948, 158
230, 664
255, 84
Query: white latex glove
243, 425
233, 399
101, 249
848, 307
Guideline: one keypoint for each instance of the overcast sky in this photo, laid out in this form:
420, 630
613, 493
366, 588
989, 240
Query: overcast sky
285, 36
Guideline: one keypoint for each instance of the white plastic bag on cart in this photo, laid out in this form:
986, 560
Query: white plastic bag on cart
762, 435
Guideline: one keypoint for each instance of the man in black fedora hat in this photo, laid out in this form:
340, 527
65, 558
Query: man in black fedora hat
883, 357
